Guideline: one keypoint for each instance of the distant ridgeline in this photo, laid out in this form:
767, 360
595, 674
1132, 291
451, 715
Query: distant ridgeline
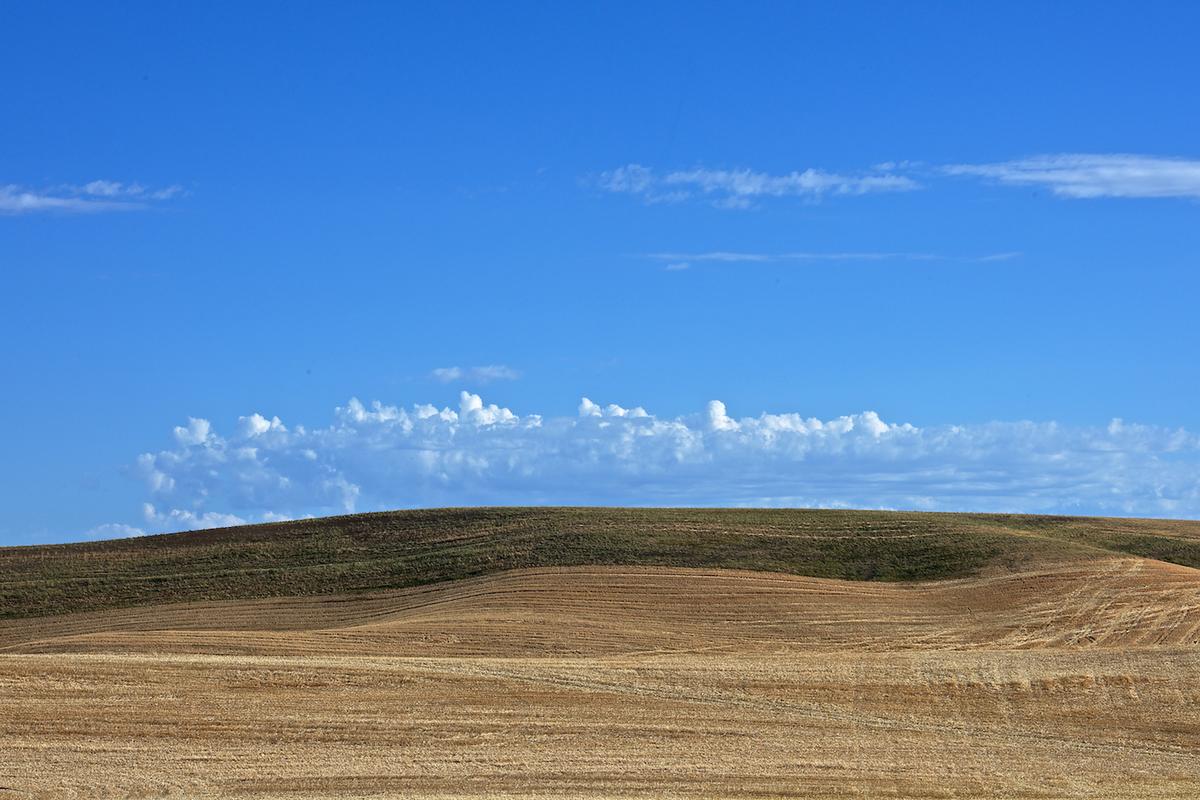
369, 552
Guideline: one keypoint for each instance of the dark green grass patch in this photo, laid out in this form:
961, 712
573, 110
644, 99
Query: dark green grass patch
388, 550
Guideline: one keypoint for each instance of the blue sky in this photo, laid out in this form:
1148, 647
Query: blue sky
974, 225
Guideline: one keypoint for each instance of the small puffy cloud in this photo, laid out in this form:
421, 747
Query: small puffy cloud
589, 409
92, 197
1094, 175
473, 411
484, 374
717, 419
156, 479
184, 520
256, 425
738, 188
114, 530
355, 411
196, 432
377, 456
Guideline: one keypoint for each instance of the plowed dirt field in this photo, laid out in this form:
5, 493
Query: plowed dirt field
1057, 676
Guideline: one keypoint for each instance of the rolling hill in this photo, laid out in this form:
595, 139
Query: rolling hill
570, 652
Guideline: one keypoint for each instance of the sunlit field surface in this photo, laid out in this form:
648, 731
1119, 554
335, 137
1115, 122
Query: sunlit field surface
608, 653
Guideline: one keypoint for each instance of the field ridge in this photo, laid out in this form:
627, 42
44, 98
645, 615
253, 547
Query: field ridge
393, 550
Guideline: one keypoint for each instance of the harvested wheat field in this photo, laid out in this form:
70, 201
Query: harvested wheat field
588, 653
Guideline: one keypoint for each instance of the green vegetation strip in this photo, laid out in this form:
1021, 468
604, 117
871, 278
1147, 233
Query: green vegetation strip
370, 552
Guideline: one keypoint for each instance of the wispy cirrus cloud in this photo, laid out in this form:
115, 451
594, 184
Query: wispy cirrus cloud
738, 188
377, 456
92, 197
483, 374
1074, 175
1094, 175
733, 257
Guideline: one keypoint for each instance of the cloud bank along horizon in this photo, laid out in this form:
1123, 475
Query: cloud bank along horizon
379, 456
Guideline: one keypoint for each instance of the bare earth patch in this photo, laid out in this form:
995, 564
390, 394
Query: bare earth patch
1069, 678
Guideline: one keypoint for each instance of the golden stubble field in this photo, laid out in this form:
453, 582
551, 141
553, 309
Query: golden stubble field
1065, 680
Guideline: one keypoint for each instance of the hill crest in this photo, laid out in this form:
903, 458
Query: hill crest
399, 549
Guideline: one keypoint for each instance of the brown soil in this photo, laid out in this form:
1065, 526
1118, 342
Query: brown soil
1068, 679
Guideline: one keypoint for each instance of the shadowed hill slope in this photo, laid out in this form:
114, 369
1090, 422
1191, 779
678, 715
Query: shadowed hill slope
393, 550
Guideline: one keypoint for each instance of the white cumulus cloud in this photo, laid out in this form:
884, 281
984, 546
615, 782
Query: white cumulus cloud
377, 456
